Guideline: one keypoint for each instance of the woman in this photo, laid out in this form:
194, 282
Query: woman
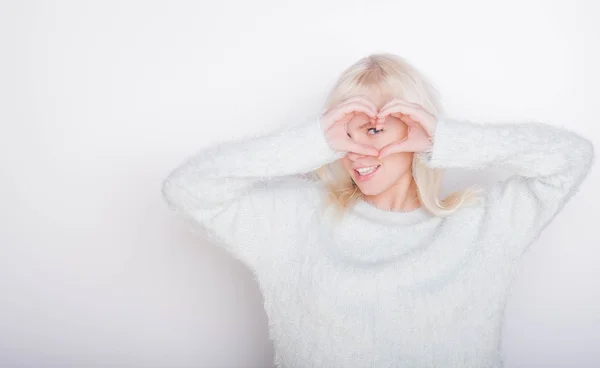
403, 278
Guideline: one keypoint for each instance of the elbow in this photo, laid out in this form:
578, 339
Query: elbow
177, 190
172, 191
590, 152
587, 154
168, 192
578, 151
581, 157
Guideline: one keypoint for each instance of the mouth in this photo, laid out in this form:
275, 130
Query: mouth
366, 173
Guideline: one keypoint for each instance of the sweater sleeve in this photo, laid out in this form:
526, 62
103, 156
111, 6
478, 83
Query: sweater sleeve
548, 165
244, 194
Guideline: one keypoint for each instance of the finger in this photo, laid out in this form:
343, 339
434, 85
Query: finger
354, 156
353, 107
395, 101
413, 120
381, 119
398, 107
396, 147
361, 149
346, 118
408, 119
407, 102
360, 99
334, 122
391, 149
368, 104
353, 100
386, 151
398, 115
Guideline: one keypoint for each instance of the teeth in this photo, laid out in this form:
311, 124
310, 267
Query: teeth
367, 170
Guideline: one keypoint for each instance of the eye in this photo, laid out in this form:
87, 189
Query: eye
378, 131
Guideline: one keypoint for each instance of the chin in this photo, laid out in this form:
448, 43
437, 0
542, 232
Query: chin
371, 190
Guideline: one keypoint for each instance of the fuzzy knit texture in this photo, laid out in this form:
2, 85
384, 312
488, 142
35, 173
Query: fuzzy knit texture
380, 288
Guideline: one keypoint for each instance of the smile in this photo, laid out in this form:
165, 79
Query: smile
366, 173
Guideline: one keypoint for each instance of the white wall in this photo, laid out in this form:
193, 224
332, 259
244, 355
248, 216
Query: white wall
101, 99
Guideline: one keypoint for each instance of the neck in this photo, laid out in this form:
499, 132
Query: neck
400, 197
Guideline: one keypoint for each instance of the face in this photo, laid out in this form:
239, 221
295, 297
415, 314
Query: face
389, 169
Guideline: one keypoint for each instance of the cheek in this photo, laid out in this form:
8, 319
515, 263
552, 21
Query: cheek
346, 163
399, 162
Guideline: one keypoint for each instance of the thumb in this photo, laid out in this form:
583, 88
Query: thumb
395, 147
392, 148
361, 149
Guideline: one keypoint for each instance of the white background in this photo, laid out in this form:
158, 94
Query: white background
100, 100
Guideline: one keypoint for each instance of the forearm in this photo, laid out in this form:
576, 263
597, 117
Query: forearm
220, 174
532, 150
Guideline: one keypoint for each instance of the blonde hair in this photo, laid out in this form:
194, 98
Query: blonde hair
385, 76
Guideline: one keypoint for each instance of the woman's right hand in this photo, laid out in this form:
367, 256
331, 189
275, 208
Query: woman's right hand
334, 121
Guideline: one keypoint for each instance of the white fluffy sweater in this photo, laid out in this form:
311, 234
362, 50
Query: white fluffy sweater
380, 288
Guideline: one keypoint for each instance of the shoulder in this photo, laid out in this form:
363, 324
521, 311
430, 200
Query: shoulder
507, 218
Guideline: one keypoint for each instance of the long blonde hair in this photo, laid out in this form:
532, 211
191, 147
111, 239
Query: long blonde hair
384, 76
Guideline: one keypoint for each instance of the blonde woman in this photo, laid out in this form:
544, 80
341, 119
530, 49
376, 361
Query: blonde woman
360, 262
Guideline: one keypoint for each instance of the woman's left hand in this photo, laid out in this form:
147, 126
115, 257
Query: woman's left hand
421, 127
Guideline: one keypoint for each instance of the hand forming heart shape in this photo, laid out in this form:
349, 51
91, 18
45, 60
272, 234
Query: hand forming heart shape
421, 126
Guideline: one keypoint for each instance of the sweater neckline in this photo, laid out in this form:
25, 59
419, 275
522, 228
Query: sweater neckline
370, 236
368, 210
